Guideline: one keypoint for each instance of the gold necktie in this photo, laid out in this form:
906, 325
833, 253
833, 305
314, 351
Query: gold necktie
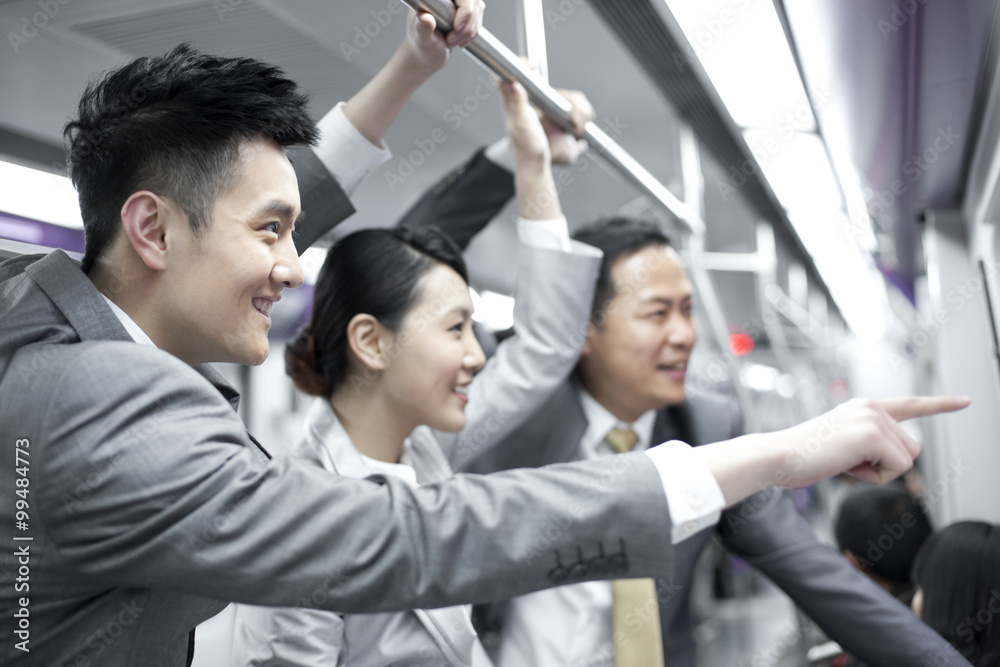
635, 612
621, 439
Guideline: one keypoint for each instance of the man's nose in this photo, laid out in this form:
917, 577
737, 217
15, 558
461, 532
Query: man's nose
287, 268
682, 331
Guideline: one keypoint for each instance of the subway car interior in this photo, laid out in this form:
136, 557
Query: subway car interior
829, 172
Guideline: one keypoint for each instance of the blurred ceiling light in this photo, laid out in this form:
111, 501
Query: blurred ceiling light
39, 195
854, 282
797, 167
742, 47
759, 377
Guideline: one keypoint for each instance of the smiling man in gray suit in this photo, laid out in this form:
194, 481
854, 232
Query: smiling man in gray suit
134, 504
631, 377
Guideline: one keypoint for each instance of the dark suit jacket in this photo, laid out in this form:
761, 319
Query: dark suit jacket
149, 506
765, 529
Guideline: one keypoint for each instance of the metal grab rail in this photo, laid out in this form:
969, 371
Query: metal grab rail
496, 57
503, 62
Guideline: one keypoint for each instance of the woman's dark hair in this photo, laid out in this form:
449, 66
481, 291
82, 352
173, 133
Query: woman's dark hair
174, 125
958, 570
373, 271
616, 237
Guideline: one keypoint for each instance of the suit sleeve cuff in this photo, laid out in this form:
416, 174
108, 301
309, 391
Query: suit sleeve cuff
345, 152
694, 497
552, 234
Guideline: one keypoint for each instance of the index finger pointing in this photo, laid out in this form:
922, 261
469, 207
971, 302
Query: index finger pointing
910, 407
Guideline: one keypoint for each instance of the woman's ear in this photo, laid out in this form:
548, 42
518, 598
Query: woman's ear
365, 338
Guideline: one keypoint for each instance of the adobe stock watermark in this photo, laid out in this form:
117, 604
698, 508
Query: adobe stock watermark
955, 301
913, 169
363, 35
968, 628
899, 15
101, 471
222, 7
710, 31
634, 620
791, 122
773, 654
563, 11
455, 116
30, 26
104, 637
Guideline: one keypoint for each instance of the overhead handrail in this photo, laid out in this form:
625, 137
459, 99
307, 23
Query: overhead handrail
495, 56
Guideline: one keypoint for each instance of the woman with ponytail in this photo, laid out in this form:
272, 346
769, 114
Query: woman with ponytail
391, 358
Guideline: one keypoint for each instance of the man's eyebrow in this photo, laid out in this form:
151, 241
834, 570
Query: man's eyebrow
669, 302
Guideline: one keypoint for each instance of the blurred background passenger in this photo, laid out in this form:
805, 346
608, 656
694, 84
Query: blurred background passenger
879, 530
957, 574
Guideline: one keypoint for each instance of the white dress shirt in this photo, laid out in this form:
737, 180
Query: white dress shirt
570, 626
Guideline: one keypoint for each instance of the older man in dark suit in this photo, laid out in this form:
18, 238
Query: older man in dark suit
628, 393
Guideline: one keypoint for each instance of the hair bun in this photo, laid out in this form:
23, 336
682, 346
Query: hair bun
301, 364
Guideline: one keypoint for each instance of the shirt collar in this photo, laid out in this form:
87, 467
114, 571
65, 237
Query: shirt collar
600, 421
328, 443
137, 334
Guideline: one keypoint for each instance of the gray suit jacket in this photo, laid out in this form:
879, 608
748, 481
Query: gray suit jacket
149, 506
765, 530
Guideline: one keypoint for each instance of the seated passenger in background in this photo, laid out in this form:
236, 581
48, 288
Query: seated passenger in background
879, 530
391, 355
957, 574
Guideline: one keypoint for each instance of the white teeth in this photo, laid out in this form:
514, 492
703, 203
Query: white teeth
263, 305
462, 390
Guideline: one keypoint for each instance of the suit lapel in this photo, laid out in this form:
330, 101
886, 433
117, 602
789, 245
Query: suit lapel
565, 409
76, 297
675, 422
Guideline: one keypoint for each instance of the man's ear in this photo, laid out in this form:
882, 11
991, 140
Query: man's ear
852, 559
365, 338
146, 218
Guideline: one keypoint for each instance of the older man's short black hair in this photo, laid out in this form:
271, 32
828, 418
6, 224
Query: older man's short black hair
617, 237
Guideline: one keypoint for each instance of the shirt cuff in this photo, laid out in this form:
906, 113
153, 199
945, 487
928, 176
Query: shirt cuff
551, 234
345, 152
501, 154
693, 495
